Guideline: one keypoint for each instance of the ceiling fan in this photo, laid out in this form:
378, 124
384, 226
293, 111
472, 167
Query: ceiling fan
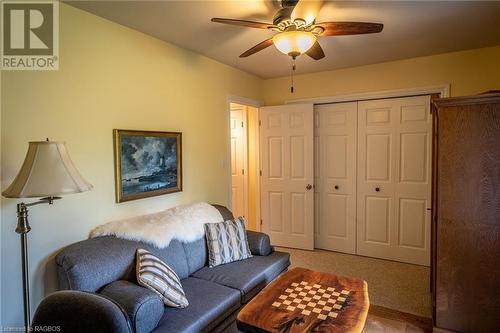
297, 31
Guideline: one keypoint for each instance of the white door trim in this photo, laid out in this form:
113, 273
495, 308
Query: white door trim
243, 101
225, 162
258, 169
443, 90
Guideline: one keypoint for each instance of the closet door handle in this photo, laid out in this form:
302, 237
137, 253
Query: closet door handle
377, 189
309, 187
336, 187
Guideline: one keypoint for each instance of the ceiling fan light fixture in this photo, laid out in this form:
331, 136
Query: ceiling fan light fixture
294, 43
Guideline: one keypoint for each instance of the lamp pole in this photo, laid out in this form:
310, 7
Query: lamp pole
47, 171
23, 227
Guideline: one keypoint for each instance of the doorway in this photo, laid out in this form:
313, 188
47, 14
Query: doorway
244, 163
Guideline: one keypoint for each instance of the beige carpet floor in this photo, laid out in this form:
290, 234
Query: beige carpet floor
384, 320
394, 285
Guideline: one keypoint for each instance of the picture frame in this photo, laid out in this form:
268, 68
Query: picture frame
147, 163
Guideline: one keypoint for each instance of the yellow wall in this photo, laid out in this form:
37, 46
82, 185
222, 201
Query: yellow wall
468, 72
110, 77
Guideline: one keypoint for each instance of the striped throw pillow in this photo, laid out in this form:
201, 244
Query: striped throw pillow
227, 242
157, 276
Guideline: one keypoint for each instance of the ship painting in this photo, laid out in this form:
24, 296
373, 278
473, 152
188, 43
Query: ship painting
149, 163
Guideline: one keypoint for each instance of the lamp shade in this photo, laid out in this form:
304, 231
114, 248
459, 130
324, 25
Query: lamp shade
47, 171
294, 43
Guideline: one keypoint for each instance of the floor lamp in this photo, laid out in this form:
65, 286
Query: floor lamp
47, 173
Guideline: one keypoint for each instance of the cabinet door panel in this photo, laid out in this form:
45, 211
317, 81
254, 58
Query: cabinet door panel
468, 218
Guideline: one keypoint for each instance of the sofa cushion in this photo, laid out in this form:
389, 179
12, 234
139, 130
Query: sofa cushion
226, 213
143, 306
196, 254
227, 242
259, 243
159, 277
79, 312
249, 276
209, 305
91, 264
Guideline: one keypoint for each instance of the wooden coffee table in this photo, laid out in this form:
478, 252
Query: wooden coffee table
302, 300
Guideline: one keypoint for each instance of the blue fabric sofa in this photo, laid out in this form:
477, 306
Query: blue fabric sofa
100, 292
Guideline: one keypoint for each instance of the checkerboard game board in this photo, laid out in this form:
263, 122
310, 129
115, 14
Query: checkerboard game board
315, 300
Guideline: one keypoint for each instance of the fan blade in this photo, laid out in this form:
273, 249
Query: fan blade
349, 28
316, 51
307, 10
244, 23
257, 48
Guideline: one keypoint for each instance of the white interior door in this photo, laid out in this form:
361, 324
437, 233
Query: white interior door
238, 160
286, 136
335, 176
394, 185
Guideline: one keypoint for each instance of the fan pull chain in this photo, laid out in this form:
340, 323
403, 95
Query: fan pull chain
291, 75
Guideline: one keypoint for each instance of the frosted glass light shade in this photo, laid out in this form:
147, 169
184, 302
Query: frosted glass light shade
47, 171
294, 43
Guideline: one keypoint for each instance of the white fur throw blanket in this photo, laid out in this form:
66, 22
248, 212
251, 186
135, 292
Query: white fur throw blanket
184, 223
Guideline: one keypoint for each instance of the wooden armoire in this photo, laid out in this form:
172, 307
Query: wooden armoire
466, 214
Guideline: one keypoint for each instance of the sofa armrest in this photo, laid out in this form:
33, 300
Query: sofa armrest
143, 306
259, 243
81, 312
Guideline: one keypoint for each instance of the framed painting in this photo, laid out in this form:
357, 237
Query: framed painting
147, 163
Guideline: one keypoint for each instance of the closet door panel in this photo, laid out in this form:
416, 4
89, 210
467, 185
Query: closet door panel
413, 180
378, 157
335, 178
393, 186
375, 188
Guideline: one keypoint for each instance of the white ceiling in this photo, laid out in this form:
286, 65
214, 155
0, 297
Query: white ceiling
411, 29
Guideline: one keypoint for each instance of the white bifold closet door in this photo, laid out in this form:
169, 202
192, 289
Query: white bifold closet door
394, 179
335, 176
287, 163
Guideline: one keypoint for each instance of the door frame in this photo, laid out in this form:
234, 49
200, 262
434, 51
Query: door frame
226, 162
443, 90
